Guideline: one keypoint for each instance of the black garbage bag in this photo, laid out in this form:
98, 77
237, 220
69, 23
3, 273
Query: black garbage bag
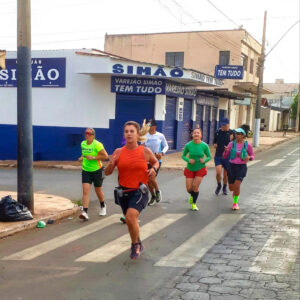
11, 210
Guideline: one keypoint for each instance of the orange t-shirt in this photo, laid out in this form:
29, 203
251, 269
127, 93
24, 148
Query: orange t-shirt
132, 167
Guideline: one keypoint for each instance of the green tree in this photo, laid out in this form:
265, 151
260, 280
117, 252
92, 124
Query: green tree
294, 108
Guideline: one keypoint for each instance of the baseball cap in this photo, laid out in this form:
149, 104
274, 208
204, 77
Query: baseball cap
153, 122
224, 121
240, 130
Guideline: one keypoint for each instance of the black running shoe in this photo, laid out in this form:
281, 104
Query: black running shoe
218, 189
225, 190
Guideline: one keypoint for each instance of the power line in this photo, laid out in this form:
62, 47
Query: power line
169, 11
282, 37
222, 13
236, 46
186, 12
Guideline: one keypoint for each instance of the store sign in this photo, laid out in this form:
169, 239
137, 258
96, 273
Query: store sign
229, 72
180, 110
134, 85
204, 78
46, 72
137, 69
179, 90
147, 70
210, 101
246, 101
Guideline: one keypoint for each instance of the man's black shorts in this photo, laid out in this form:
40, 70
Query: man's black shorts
95, 177
236, 172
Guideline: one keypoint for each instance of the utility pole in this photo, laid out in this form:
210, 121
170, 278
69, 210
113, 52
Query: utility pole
261, 62
298, 111
24, 106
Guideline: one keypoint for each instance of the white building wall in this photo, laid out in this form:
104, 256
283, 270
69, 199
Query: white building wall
61, 106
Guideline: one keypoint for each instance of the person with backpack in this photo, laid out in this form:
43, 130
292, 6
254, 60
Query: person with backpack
221, 139
239, 152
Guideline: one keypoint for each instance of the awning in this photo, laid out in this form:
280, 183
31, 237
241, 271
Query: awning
96, 62
250, 87
282, 109
223, 93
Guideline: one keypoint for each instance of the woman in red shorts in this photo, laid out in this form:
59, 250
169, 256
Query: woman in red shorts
198, 155
132, 194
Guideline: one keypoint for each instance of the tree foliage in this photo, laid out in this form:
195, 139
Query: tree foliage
294, 108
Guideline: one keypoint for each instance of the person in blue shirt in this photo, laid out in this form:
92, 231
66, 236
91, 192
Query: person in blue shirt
157, 143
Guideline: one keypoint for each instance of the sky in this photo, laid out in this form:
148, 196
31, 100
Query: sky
75, 24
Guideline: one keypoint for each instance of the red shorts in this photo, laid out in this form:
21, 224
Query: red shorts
192, 174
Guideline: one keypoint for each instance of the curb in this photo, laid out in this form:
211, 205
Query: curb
70, 167
25, 225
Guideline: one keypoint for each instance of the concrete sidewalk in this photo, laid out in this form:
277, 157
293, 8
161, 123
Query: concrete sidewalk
47, 207
55, 208
170, 161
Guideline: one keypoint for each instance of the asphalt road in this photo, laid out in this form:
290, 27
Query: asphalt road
60, 273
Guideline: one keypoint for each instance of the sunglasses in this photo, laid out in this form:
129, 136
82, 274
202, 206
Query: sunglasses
88, 133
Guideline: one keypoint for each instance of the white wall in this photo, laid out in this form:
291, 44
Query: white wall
86, 101
160, 107
234, 111
223, 103
273, 120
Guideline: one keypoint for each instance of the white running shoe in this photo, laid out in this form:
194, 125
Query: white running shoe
102, 211
84, 216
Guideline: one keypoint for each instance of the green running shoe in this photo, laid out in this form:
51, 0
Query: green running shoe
191, 200
194, 207
152, 200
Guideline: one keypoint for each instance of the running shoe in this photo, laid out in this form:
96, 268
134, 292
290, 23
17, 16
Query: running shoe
102, 211
136, 250
191, 201
194, 207
142, 247
84, 216
123, 220
152, 200
218, 189
235, 206
225, 190
158, 196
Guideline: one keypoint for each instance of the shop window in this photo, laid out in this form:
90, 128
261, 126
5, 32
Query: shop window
224, 58
175, 59
251, 65
244, 61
